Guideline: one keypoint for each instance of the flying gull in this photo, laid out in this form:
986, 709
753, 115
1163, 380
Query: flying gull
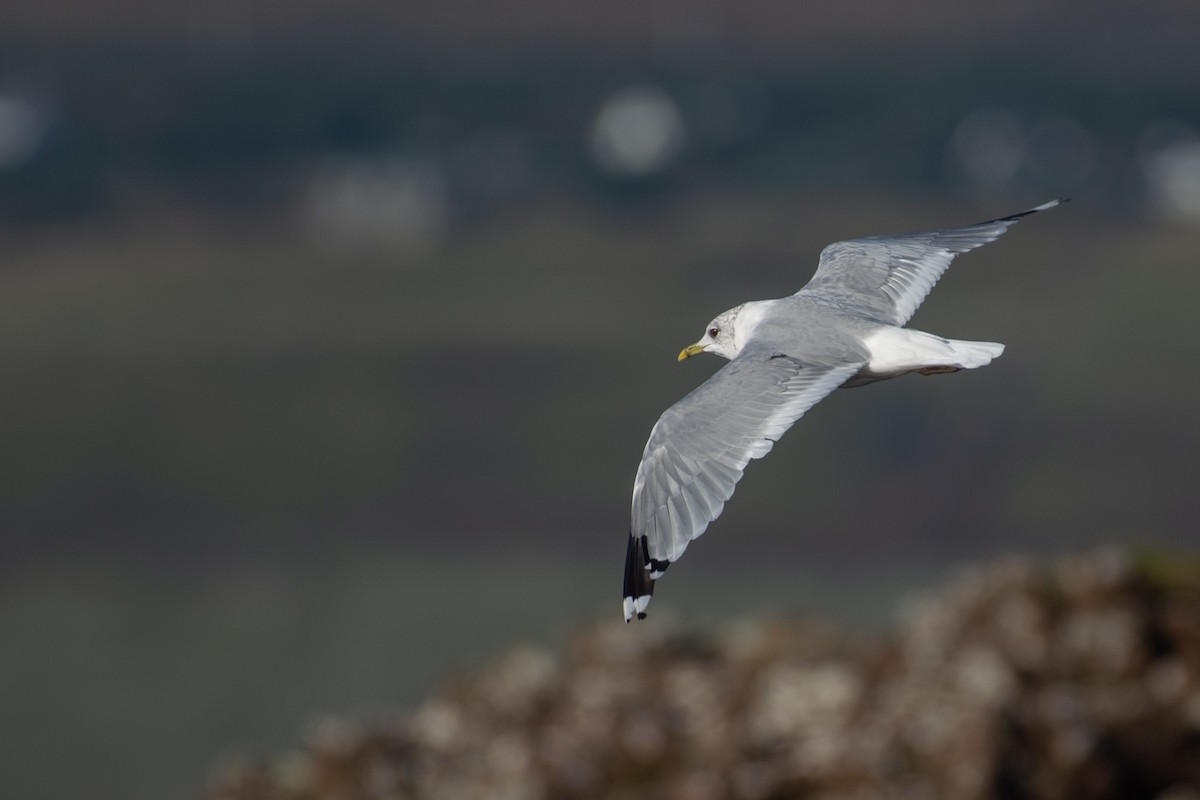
845, 328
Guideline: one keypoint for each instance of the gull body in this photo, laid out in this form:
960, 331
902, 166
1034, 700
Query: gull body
845, 328
828, 336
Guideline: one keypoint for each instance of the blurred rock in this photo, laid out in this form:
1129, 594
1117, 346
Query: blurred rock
1080, 680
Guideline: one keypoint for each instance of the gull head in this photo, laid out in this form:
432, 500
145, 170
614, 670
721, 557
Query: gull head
721, 336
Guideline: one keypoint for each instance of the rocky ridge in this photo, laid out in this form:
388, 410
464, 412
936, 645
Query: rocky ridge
1079, 679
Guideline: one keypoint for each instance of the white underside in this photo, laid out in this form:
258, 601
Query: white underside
895, 351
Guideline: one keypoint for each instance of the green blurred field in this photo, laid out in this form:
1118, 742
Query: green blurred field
247, 481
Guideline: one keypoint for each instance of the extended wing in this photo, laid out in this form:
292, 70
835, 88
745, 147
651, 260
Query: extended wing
886, 278
699, 448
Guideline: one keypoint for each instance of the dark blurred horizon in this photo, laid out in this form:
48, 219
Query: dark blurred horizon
332, 338
758, 30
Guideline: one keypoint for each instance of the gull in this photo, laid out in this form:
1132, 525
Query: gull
845, 328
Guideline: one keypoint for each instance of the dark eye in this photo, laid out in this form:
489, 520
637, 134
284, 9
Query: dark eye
713, 331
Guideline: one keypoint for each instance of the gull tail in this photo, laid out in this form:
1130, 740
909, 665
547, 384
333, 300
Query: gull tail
969, 355
896, 351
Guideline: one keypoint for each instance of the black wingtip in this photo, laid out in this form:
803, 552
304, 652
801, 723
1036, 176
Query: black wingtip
639, 586
1043, 207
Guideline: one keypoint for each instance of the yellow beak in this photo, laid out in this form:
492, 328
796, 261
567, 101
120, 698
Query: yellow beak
691, 350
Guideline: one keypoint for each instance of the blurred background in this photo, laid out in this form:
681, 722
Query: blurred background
330, 334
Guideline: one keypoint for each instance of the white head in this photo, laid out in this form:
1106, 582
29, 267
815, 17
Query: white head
724, 336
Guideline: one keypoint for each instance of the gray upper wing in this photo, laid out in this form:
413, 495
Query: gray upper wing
885, 278
700, 446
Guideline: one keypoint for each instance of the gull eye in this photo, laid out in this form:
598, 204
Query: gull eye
713, 331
